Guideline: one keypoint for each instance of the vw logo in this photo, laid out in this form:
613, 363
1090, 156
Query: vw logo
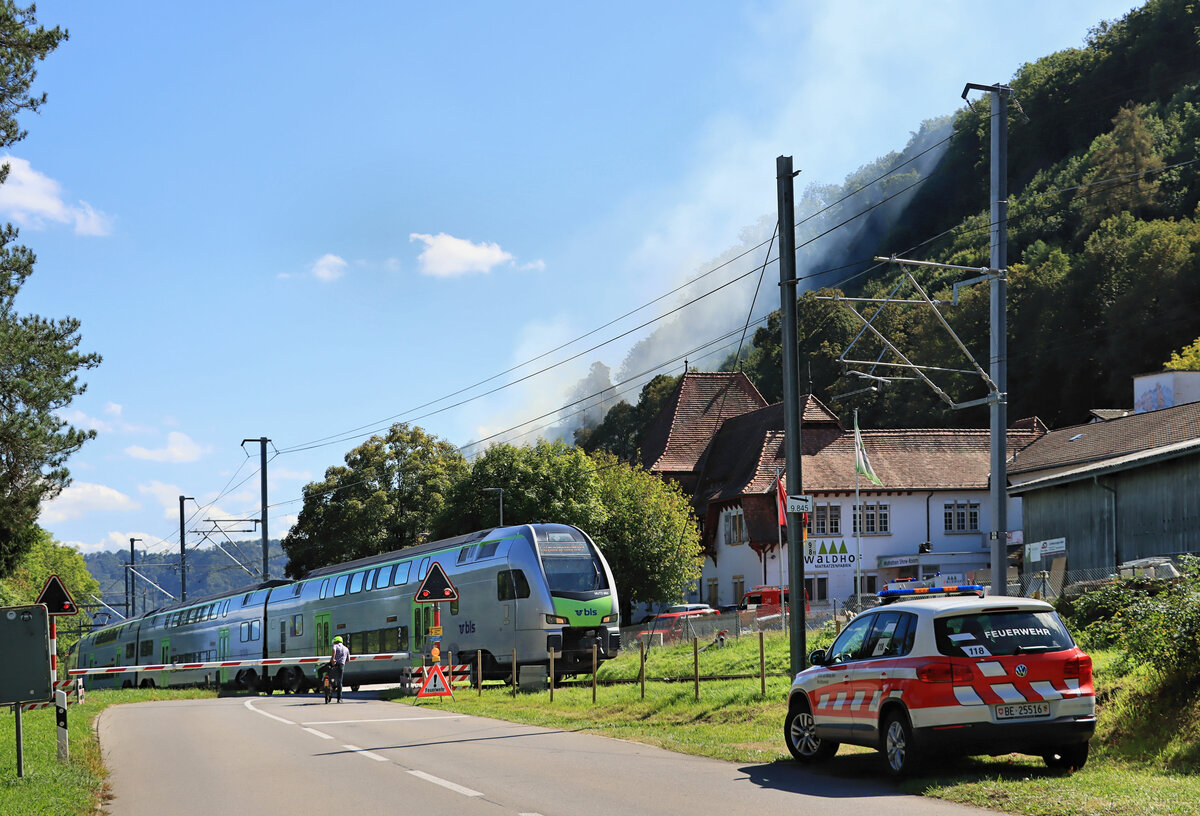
1021, 670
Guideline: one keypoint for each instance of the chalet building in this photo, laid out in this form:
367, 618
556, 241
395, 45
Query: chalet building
723, 444
1119, 489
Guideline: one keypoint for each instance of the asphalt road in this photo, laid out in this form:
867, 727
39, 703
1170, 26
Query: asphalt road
295, 754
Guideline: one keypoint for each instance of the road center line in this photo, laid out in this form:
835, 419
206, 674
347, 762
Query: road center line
248, 705
437, 780
385, 719
320, 734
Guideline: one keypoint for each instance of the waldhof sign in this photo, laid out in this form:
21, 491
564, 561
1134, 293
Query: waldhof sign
827, 556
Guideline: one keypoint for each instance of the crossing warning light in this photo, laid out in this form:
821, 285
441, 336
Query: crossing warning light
436, 588
56, 598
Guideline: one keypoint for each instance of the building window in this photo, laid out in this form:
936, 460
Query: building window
816, 588
739, 587
713, 592
825, 520
735, 526
873, 518
962, 517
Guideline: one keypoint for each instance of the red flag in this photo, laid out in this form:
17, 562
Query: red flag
781, 500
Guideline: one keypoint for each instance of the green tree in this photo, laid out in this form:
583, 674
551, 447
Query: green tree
649, 535
385, 498
1186, 359
549, 481
39, 357
45, 557
624, 424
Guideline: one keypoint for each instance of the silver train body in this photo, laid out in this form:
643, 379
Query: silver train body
527, 590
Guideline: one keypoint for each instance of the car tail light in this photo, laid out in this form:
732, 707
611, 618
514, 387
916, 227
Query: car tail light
1079, 666
944, 672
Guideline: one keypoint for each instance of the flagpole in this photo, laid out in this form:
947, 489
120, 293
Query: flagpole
857, 526
783, 613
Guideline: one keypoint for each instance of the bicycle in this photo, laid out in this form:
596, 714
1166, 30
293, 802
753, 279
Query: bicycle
330, 685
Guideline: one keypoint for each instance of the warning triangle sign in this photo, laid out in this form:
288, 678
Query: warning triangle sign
56, 598
435, 684
436, 588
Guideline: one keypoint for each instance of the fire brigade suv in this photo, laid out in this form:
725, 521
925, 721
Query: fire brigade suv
946, 672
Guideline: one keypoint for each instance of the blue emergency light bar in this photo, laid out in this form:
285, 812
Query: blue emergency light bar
959, 589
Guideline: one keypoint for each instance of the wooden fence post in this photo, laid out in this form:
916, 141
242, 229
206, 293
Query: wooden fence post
762, 664
642, 671
696, 665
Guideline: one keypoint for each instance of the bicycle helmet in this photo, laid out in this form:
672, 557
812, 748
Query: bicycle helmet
337, 639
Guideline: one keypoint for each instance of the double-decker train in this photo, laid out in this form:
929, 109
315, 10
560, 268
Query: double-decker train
526, 591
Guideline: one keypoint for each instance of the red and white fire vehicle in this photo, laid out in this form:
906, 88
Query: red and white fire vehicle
946, 672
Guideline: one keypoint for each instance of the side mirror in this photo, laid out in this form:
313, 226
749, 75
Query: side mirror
817, 657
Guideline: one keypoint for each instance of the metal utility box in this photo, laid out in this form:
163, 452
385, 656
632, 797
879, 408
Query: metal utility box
25, 643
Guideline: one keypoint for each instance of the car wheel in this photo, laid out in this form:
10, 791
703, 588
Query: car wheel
1067, 757
899, 751
799, 731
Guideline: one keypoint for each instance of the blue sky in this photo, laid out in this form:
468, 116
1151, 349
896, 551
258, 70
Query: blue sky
305, 221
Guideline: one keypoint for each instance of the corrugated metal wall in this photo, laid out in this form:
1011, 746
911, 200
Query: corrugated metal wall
1157, 513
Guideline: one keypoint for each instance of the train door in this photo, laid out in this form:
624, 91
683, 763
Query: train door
422, 618
323, 631
164, 654
223, 653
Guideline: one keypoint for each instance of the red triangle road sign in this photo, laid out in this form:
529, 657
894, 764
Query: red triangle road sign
435, 684
56, 598
436, 588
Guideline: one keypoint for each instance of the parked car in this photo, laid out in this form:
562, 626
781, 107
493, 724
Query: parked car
671, 626
947, 673
688, 607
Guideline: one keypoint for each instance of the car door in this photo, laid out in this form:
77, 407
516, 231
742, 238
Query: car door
833, 701
875, 673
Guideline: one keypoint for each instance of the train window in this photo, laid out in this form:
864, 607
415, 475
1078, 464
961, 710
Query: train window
511, 584
212, 611
324, 589
244, 631
370, 582
254, 629
487, 549
389, 639
296, 589
424, 568
467, 553
401, 576
147, 648
129, 647
384, 578
297, 625
225, 608
358, 643
372, 644
356, 582
339, 586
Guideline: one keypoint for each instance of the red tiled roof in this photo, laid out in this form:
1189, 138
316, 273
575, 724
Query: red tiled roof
677, 439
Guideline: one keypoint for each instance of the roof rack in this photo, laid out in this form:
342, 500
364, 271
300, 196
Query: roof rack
908, 588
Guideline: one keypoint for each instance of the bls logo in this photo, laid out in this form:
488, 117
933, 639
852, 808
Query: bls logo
585, 612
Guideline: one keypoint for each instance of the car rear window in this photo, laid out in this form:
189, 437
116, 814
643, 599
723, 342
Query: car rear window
998, 633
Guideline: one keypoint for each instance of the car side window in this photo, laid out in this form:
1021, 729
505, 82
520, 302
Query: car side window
891, 636
849, 643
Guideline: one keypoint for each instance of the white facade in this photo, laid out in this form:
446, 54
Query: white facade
896, 524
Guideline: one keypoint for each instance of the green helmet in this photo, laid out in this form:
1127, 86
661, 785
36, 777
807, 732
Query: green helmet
337, 639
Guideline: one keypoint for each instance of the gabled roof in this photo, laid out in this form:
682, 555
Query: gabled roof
1121, 437
702, 401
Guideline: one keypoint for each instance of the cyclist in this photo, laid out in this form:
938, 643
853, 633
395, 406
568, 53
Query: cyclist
337, 663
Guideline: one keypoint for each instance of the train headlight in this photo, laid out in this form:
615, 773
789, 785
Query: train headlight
556, 620
609, 619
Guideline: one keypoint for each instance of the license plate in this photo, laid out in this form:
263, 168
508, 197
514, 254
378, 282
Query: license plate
1016, 711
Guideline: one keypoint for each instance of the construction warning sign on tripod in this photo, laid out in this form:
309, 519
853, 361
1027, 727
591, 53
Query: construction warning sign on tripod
436, 588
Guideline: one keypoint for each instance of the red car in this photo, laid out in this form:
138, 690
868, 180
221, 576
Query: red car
951, 674
671, 626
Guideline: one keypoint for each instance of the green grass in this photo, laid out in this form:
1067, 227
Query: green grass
1144, 761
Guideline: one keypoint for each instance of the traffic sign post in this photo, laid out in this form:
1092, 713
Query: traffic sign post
435, 589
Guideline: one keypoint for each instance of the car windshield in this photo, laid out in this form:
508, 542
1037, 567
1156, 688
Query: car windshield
1010, 632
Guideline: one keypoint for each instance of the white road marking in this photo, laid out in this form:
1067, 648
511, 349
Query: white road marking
385, 719
437, 780
318, 733
365, 752
248, 704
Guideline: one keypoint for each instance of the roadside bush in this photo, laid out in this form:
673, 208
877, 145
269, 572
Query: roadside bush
1163, 632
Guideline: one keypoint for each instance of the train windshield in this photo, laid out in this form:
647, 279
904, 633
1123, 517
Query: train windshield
570, 562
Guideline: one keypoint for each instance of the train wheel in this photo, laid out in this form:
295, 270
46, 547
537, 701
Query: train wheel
147, 683
290, 680
125, 684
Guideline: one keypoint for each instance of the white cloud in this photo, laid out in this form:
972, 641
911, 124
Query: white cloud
81, 420
180, 448
445, 256
82, 498
287, 473
329, 267
33, 199
166, 495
